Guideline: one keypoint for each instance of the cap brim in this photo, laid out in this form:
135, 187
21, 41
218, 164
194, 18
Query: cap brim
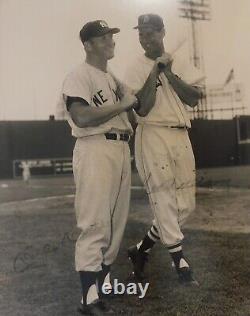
146, 26
114, 30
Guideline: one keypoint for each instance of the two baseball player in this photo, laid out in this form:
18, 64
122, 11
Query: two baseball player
163, 152
95, 105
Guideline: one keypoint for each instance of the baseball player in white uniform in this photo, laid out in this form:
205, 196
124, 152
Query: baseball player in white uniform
26, 171
95, 105
163, 152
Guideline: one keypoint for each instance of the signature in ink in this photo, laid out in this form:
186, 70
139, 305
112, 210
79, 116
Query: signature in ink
33, 258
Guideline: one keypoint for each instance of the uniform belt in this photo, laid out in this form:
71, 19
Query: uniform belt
117, 136
180, 127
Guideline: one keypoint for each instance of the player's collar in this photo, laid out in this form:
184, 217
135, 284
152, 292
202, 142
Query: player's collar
95, 68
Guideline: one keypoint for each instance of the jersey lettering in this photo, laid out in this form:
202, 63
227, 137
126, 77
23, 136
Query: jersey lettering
116, 95
99, 98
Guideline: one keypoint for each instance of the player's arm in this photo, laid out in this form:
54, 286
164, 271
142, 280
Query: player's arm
188, 94
147, 94
84, 115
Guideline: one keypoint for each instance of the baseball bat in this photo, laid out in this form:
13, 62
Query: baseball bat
161, 66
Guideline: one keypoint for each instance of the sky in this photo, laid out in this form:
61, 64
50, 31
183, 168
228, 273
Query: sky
40, 44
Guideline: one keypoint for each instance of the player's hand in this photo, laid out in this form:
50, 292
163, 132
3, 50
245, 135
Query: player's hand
164, 62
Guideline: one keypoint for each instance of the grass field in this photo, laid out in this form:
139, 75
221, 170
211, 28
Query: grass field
37, 235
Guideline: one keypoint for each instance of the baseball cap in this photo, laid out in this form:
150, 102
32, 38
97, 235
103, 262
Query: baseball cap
95, 29
150, 20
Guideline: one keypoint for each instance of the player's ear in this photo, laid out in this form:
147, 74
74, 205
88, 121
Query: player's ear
87, 45
163, 32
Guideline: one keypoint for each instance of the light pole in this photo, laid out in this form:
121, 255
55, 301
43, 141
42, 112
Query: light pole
196, 10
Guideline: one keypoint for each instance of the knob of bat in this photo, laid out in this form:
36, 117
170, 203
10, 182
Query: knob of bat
161, 66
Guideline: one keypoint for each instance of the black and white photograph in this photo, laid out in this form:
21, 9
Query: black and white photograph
124, 157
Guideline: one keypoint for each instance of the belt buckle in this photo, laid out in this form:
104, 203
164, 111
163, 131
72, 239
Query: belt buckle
122, 137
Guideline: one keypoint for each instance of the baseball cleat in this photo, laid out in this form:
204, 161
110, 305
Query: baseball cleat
104, 277
186, 277
185, 274
138, 259
97, 308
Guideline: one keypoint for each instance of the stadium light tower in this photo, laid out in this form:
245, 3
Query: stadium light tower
196, 10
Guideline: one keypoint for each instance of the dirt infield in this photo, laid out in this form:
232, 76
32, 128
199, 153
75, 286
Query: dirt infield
37, 254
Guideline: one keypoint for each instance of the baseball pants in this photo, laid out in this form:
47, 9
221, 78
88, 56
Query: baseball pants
102, 173
166, 165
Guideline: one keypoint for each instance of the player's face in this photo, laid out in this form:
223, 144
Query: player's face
151, 41
103, 46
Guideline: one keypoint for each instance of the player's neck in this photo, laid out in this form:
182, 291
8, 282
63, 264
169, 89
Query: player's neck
98, 63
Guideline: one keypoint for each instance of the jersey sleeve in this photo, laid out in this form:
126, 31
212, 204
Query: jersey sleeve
71, 100
77, 84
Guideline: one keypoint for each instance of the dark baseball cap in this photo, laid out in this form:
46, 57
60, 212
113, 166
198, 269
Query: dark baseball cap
95, 29
150, 20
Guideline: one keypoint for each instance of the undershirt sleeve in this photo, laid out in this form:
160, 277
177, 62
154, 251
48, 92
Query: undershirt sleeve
71, 100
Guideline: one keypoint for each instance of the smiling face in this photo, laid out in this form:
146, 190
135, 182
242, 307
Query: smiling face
151, 41
102, 46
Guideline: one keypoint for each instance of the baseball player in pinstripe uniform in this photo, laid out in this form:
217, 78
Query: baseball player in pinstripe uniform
95, 105
163, 152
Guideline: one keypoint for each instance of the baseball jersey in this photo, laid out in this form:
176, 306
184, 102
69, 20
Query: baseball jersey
168, 110
98, 88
